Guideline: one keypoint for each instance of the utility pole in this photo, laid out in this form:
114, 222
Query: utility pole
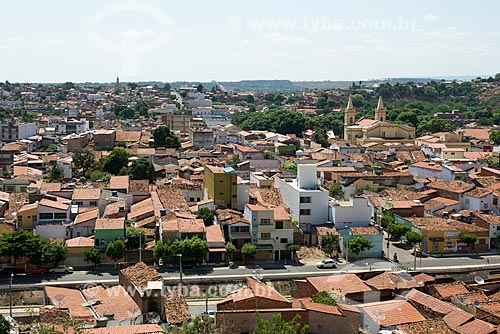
180, 267
10, 294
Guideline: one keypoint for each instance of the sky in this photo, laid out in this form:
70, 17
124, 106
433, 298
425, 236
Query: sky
94, 41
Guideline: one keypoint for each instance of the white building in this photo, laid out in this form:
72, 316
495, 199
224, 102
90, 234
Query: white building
353, 213
307, 202
197, 99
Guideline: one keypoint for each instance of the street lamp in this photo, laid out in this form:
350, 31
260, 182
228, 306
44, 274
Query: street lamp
347, 249
180, 267
10, 294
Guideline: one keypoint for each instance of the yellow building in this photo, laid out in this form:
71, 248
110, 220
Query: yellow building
221, 185
27, 216
378, 130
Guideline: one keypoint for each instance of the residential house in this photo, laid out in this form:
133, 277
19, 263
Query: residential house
87, 197
108, 230
202, 138
105, 139
27, 216
270, 237
84, 224
490, 222
247, 153
355, 212
145, 286
478, 199
76, 247
53, 209
216, 244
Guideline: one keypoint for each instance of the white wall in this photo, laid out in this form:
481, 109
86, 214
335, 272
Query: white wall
26, 130
356, 212
242, 195
51, 231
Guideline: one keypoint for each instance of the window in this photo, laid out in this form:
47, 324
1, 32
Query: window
60, 216
305, 199
284, 240
495, 201
305, 212
279, 225
79, 203
266, 221
265, 236
46, 216
482, 241
93, 203
191, 199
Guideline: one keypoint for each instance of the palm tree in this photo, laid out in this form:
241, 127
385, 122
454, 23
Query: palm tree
55, 173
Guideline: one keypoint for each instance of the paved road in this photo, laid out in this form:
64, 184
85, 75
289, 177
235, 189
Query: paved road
278, 270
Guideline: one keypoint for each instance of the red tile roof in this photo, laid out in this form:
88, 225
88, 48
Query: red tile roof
131, 329
347, 283
392, 313
447, 290
110, 224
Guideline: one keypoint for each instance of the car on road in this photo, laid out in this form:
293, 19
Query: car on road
327, 263
211, 314
37, 271
8, 271
61, 269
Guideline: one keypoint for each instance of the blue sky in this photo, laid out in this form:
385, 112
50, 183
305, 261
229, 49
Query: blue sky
56, 41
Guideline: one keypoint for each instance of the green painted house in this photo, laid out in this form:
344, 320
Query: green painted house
108, 230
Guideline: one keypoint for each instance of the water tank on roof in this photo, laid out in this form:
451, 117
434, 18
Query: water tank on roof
114, 193
163, 212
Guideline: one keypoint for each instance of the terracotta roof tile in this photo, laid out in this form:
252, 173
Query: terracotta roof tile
140, 274
427, 326
141, 208
447, 290
87, 216
80, 242
86, 194
347, 283
476, 326
214, 234
71, 299
392, 313
119, 182
392, 281
113, 299
128, 329
432, 303
110, 224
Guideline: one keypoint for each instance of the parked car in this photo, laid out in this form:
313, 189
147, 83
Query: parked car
8, 271
327, 263
211, 314
37, 271
61, 269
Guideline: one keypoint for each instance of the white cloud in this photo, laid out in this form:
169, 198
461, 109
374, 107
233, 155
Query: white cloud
430, 18
277, 38
246, 43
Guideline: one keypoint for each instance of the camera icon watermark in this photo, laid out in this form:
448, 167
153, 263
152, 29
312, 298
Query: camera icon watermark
131, 45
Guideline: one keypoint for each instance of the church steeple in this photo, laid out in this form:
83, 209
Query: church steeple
350, 113
380, 112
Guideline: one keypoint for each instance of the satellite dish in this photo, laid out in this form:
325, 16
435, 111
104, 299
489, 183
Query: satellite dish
420, 282
479, 280
476, 303
152, 318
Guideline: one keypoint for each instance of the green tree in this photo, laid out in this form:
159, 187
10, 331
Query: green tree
163, 137
413, 237
51, 148
278, 325
167, 86
115, 250
397, 230
233, 160
114, 163
4, 325
336, 191
135, 237
469, 238
289, 166
358, 245
386, 220
199, 325
200, 88
163, 250
330, 241
92, 255
249, 250
18, 243
320, 136
48, 252
207, 215
293, 249
84, 162
495, 137
329, 297
55, 173
142, 169
230, 249
142, 107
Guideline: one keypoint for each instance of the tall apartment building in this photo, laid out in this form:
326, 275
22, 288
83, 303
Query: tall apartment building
221, 185
177, 120
307, 201
13, 131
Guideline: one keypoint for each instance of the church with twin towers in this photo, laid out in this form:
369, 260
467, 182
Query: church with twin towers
377, 131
